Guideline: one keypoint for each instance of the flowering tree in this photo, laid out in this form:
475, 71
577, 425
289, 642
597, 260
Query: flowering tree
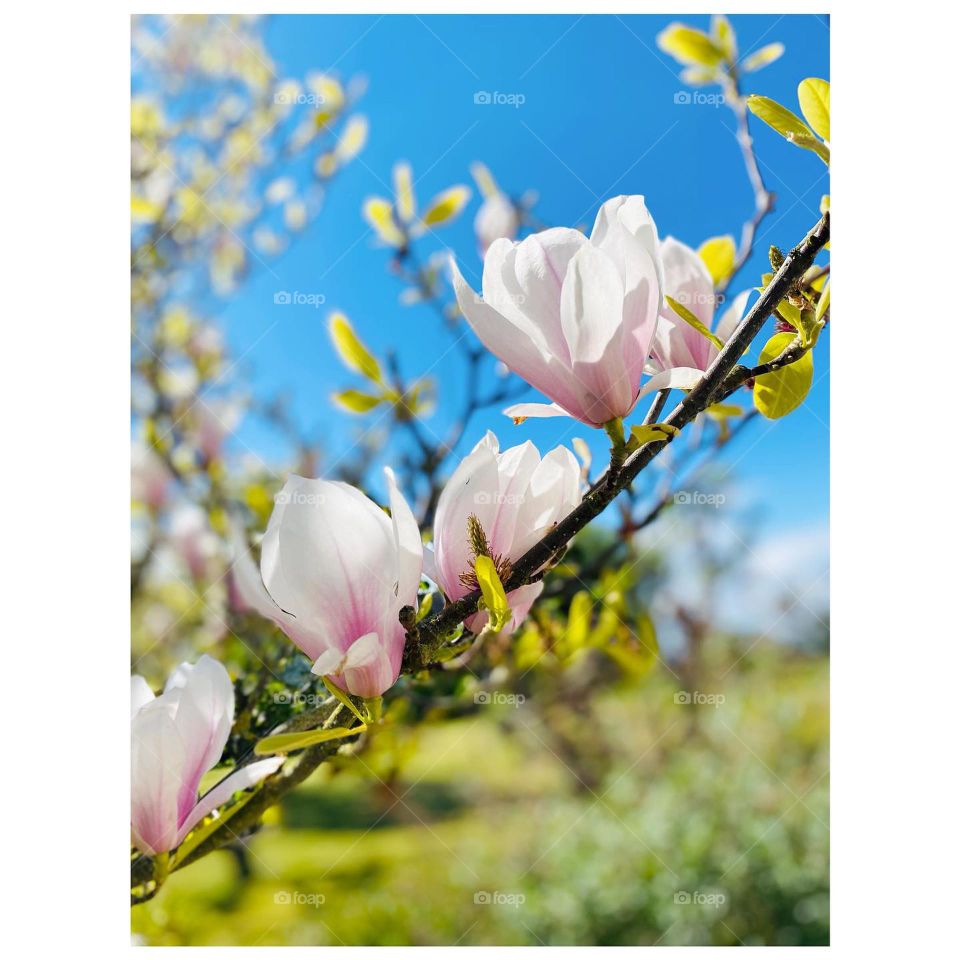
356, 617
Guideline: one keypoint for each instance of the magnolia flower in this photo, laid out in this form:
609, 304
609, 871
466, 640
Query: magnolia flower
496, 218
192, 539
574, 316
149, 476
337, 570
677, 346
500, 504
213, 422
175, 739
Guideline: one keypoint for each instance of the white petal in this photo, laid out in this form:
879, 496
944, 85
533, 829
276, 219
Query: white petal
514, 467
156, 768
540, 264
626, 214
472, 490
731, 317
140, 694
328, 558
679, 378
523, 410
240, 779
204, 716
409, 546
247, 580
328, 663
514, 345
591, 304
687, 280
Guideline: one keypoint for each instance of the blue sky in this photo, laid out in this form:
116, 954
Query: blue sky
599, 118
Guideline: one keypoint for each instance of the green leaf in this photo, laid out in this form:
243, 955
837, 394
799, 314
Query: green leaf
285, 742
724, 37
484, 180
719, 254
699, 76
351, 349
809, 142
762, 57
778, 393
403, 190
379, 214
649, 433
426, 605
578, 622
446, 206
494, 596
722, 411
356, 401
778, 117
691, 47
684, 314
344, 698
823, 304
814, 97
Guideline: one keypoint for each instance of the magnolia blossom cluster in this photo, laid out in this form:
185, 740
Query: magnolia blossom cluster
582, 319
175, 739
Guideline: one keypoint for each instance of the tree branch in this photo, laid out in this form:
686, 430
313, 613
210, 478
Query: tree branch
432, 630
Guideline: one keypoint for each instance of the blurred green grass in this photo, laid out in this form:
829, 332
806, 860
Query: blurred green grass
711, 826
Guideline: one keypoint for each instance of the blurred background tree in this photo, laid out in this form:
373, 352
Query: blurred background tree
633, 766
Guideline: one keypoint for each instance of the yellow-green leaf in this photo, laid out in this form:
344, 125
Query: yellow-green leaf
494, 596
722, 411
689, 46
719, 254
352, 139
762, 57
426, 605
778, 393
143, 210
356, 401
285, 742
814, 97
684, 314
724, 37
352, 351
809, 142
484, 180
823, 304
777, 116
403, 188
446, 206
650, 432
578, 622
699, 76
379, 214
